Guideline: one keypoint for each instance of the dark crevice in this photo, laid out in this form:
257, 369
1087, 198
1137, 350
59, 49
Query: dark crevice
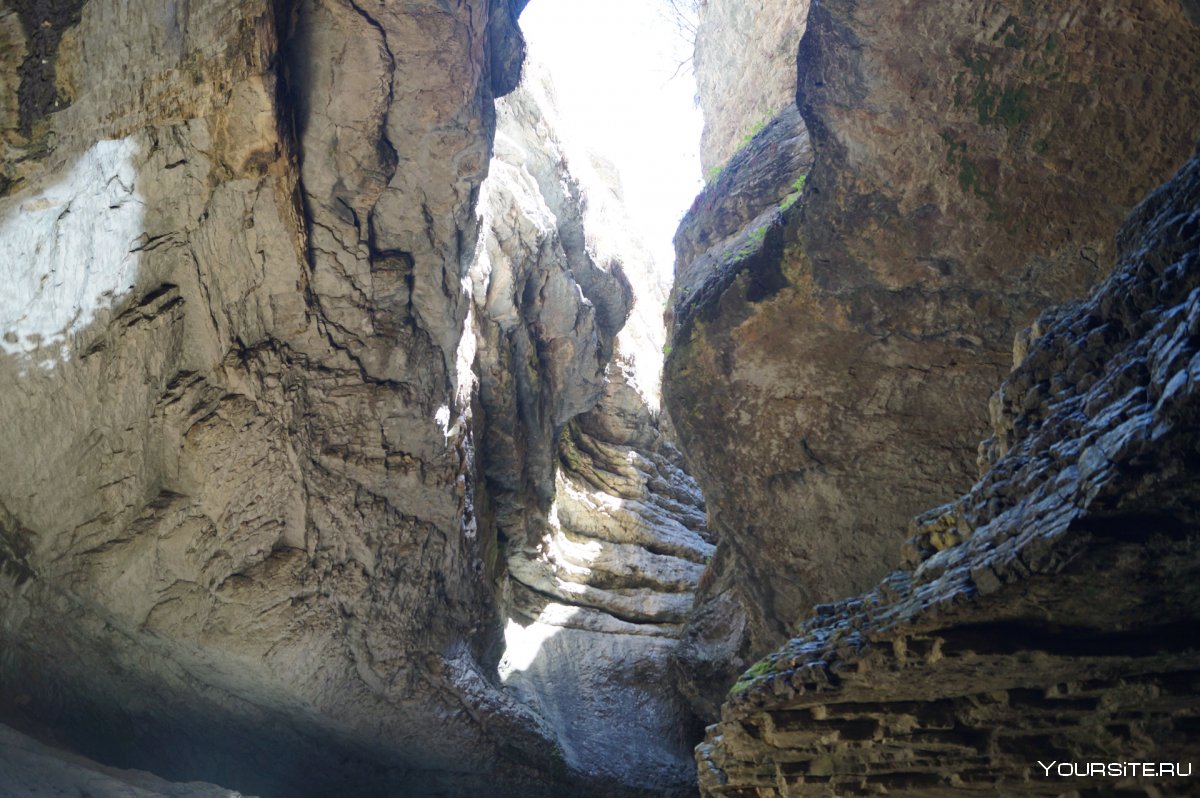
44, 22
1007, 638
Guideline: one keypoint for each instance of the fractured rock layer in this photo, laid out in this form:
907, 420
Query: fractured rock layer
237, 476
831, 359
1048, 614
602, 529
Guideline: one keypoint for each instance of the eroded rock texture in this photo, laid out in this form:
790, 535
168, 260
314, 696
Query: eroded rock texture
251, 510
602, 530
1048, 613
835, 341
301, 413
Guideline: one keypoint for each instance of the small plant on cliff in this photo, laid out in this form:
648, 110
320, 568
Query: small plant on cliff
797, 191
752, 244
755, 129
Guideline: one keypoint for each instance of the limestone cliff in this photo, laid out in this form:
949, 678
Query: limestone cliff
1047, 615
836, 332
745, 67
232, 474
279, 447
601, 530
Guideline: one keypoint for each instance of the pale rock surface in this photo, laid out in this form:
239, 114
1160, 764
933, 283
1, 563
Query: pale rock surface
603, 531
291, 469
745, 66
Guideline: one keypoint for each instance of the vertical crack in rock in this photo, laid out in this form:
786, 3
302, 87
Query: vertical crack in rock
602, 531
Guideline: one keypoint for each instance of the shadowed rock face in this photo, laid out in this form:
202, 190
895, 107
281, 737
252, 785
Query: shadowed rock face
832, 353
1048, 613
31, 768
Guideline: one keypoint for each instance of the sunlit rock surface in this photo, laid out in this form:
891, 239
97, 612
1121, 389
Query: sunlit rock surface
1048, 614
71, 248
745, 66
603, 530
831, 359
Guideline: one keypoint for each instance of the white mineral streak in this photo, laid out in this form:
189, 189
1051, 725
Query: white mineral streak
67, 251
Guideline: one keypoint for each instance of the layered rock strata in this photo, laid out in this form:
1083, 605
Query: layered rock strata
239, 479
1047, 615
831, 358
602, 530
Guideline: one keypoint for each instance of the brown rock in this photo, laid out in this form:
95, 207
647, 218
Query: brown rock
830, 366
1060, 629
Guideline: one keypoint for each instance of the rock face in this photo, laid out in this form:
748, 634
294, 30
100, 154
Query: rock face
1047, 614
602, 530
831, 356
267, 464
239, 502
745, 66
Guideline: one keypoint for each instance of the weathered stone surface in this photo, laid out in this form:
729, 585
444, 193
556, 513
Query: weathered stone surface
1057, 623
236, 478
831, 361
745, 66
285, 386
602, 530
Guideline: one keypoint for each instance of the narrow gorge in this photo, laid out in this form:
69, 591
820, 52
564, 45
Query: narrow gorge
353, 441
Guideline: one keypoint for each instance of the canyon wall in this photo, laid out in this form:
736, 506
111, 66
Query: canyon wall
289, 394
602, 531
1047, 614
836, 330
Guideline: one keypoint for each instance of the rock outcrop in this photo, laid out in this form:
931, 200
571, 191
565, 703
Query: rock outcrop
745, 67
602, 531
333, 467
1047, 615
831, 356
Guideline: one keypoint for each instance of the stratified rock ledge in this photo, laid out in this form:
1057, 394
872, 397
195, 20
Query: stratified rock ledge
1046, 615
